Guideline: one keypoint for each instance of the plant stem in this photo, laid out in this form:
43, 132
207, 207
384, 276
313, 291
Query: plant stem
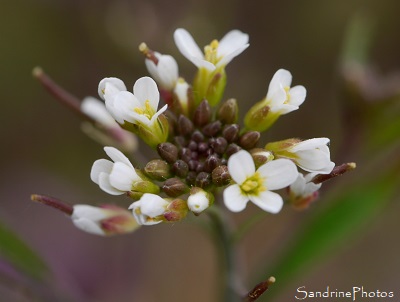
223, 242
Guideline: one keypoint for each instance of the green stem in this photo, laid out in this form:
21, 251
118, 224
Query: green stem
221, 236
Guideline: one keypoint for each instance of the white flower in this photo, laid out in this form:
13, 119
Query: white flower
280, 97
181, 92
199, 200
137, 108
217, 54
256, 185
165, 72
105, 220
148, 209
312, 155
303, 187
116, 177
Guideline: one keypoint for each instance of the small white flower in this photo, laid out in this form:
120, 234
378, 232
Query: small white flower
165, 72
303, 187
137, 108
116, 177
256, 185
280, 97
217, 54
313, 155
148, 209
181, 92
198, 200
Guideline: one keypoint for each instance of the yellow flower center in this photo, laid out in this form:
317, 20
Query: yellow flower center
210, 52
253, 185
147, 110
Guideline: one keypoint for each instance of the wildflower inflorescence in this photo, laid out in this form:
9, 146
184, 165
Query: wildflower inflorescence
202, 147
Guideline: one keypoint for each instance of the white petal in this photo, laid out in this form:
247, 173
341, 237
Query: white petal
311, 144
156, 115
197, 203
268, 201
168, 71
96, 109
276, 100
241, 166
116, 85
88, 226
145, 89
234, 200
227, 58
315, 161
122, 177
100, 166
89, 212
117, 156
278, 173
104, 184
232, 41
281, 79
284, 108
297, 95
152, 205
186, 45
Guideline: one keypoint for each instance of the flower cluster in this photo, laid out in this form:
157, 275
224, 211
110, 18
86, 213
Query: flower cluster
202, 147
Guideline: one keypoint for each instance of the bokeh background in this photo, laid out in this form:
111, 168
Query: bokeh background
79, 42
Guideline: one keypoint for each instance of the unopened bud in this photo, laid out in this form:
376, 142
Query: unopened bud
216, 88
232, 149
175, 187
212, 129
185, 126
261, 156
176, 210
249, 139
231, 132
282, 146
219, 145
180, 168
184, 95
337, 171
202, 114
203, 180
168, 151
259, 117
145, 186
220, 176
199, 200
158, 169
228, 112
211, 162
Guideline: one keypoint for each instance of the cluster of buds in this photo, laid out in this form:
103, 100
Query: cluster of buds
202, 147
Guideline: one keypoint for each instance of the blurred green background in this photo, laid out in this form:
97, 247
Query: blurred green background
43, 150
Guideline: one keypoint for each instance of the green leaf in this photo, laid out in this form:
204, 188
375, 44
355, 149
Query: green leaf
329, 230
20, 255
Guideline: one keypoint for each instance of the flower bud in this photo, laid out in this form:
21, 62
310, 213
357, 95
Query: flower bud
168, 151
149, 209
176, 210
185, 126
261, 156
303, 191
184, 95
231, 132
211, 162
216, 88
202, 114
259, 117
158, 169
249, 139
231, 149
199, 200
203, 180
228, 112
180, 168
212, 129
145, 186
175, 187
220, 176
219, 145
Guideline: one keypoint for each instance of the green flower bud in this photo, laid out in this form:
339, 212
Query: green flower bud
175, 187
228, 112
158, 169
